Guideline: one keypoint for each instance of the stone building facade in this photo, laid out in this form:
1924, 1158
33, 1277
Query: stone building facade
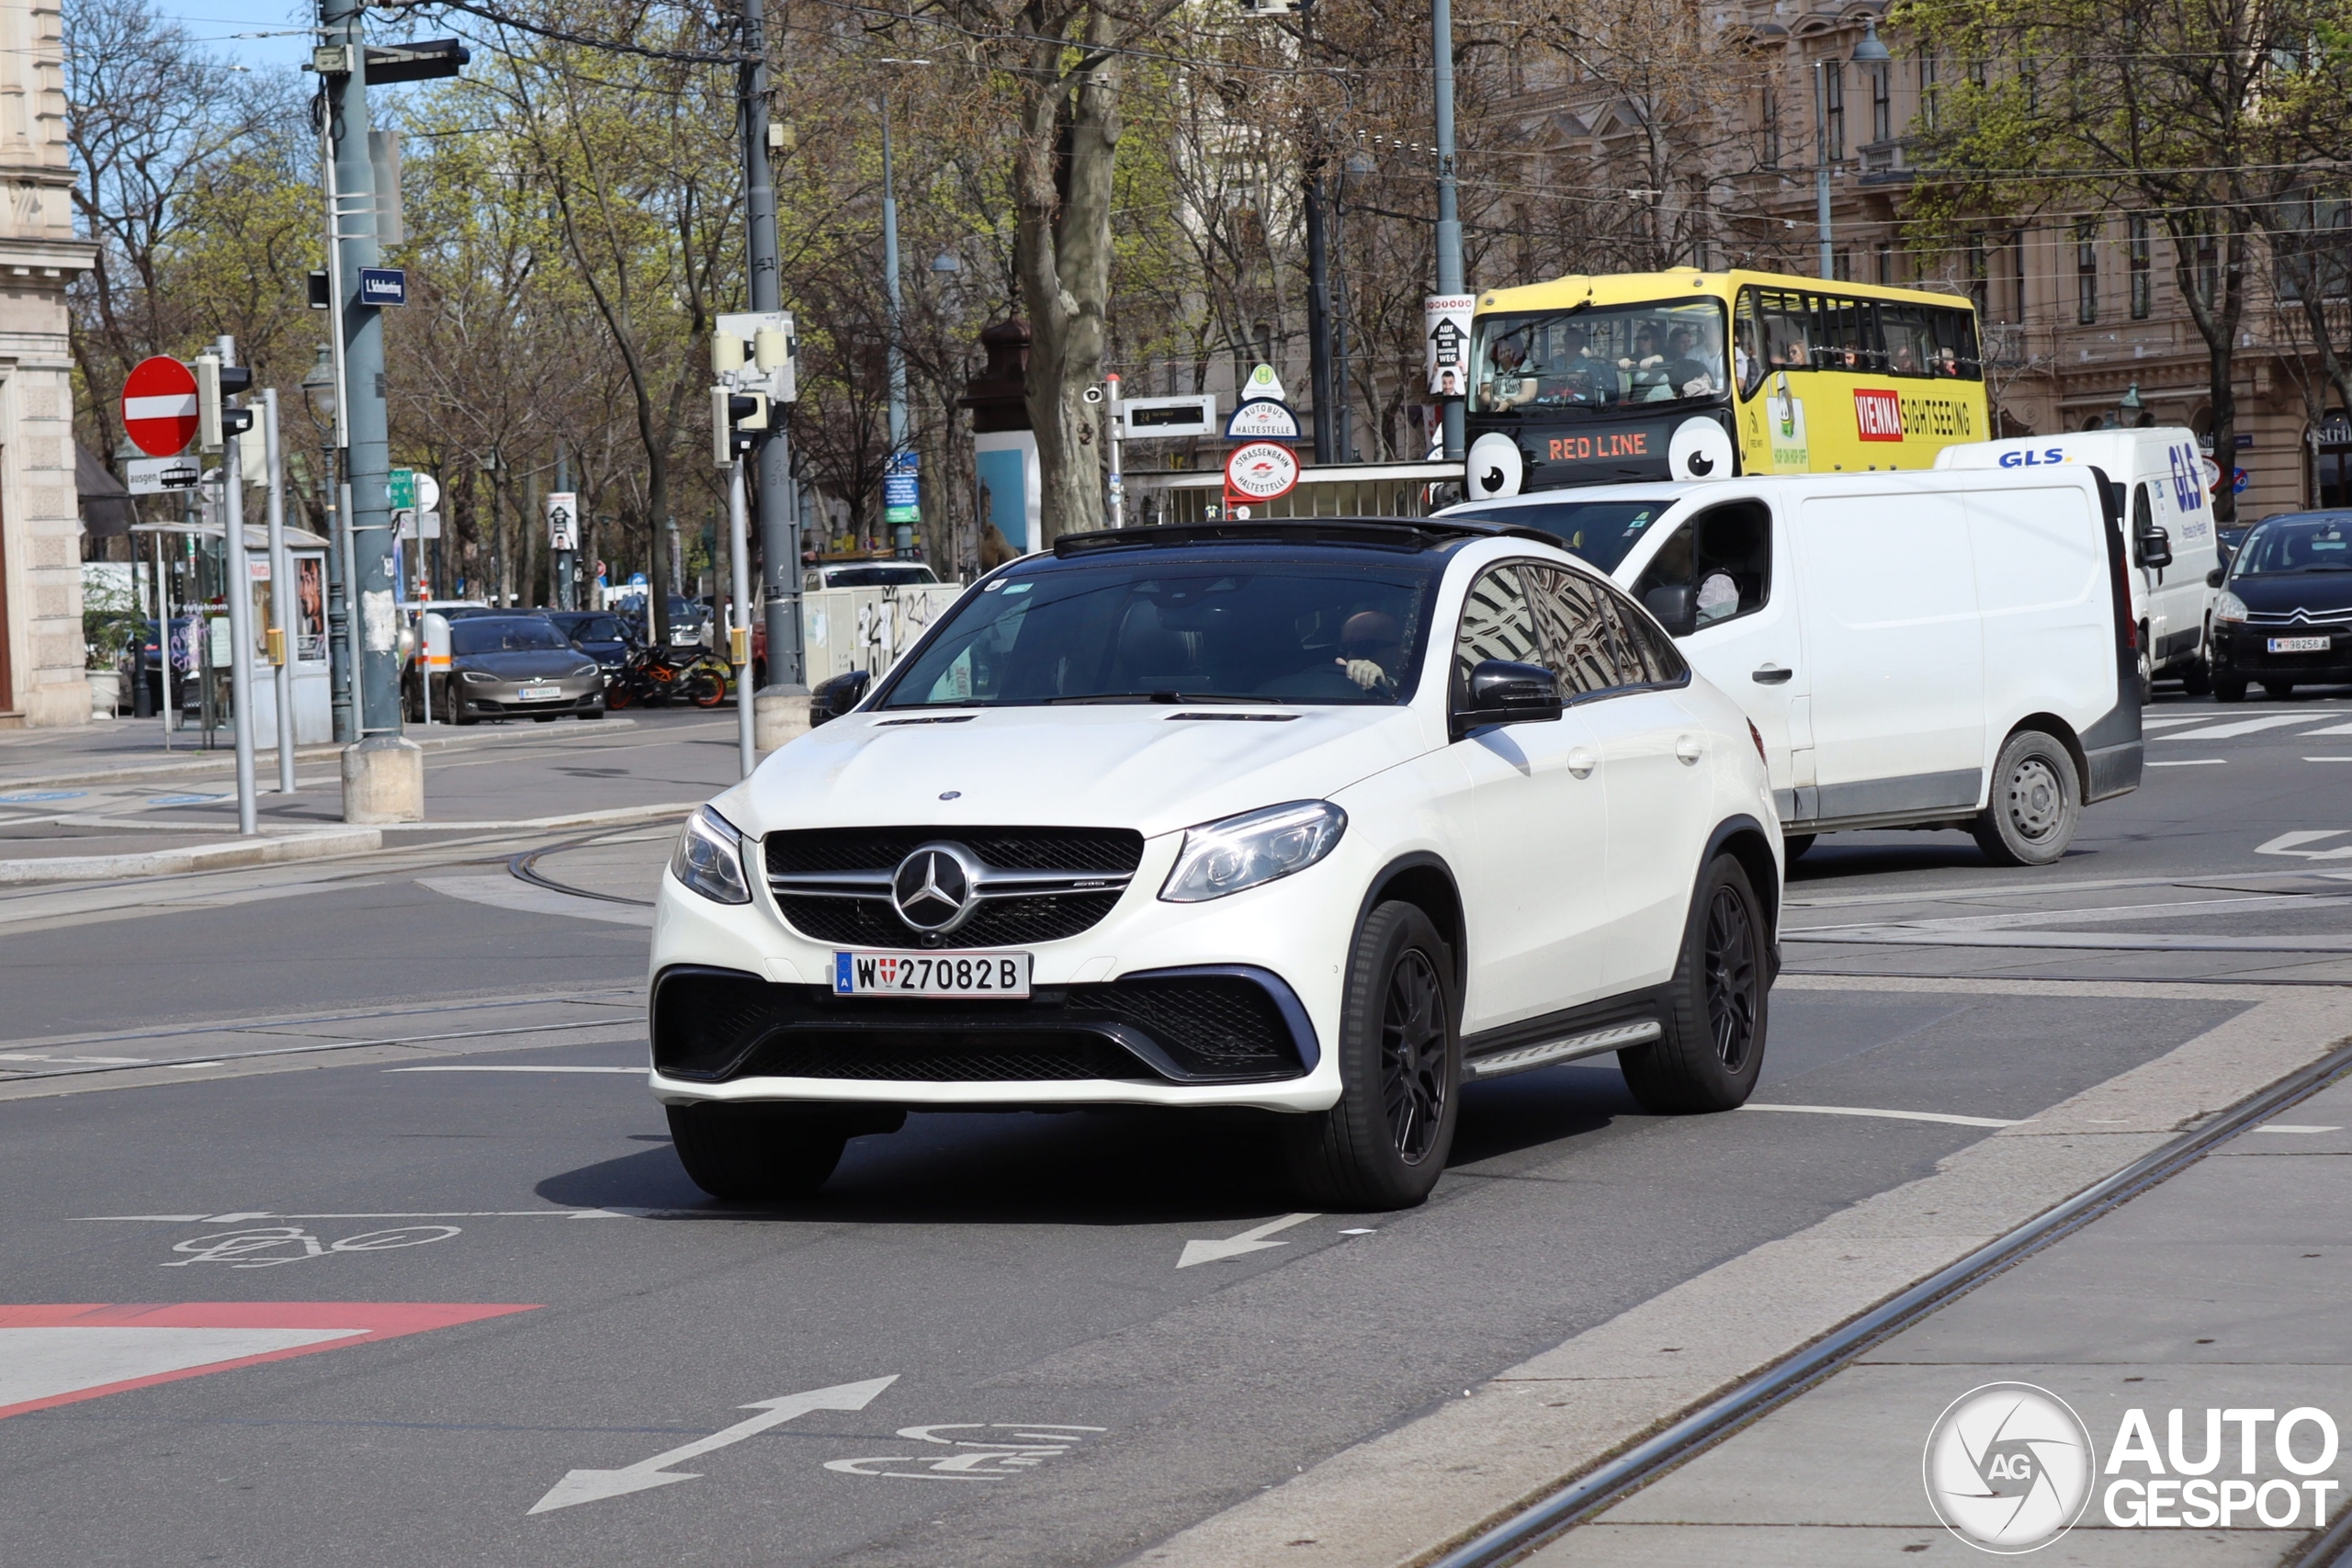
41, 528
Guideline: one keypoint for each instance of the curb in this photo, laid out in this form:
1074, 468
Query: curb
201, 857
225, 761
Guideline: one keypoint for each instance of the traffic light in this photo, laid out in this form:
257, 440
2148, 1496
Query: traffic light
737, 420
215, 381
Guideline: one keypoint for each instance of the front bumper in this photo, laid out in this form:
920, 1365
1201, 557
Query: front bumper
583, 693
2243, 648
1234, 1003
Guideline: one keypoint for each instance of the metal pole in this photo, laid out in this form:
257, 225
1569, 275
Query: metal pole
903, 545
282, 590
1449, 212
163, 635
351, 642
739, 615
1117, 422
1318, 322
360, 400
1821, 166
566, 596
779, 535
239, 595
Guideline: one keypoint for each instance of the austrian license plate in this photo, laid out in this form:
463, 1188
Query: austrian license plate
2300, 644
539, 692
931, 974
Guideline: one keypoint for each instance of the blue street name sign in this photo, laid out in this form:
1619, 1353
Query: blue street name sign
383, 285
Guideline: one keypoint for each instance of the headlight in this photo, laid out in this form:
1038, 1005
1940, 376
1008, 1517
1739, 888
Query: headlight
709, 859
2228, 606
585, 670
1256, 846
476, 678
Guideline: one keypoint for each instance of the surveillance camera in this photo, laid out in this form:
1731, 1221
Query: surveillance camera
1094, 394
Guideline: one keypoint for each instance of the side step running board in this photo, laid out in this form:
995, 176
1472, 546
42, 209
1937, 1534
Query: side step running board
1521, 1058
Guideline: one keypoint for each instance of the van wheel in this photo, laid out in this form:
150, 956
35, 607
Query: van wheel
1714, 1010
757, 1153
2197, 676
2228, 690
1795, 844
1384, 1143
2036, 803
2147, 670
2278, 691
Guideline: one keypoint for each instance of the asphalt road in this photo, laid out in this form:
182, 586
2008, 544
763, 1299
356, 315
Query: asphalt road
1064, 1389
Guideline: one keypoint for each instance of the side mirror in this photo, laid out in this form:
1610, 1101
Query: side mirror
833, 699
2154, 548
2214, 578
1672, 606
1501, 691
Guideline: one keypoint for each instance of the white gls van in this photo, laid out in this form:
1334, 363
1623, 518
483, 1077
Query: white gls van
2173, 544
1919, 649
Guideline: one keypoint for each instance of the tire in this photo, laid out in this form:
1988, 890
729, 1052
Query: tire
458, 714
2278, 691
2229, 688
2036, 805
1793, 845
1384, 1143
2147, 670
1715, 1010
2197, 676
616, 697
757, 1153
587, 714
705, 690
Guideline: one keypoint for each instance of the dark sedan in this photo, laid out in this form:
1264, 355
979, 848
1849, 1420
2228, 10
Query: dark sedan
503, 666
603, 637
2284, 615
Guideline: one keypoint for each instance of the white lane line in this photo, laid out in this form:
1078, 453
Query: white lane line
238, 1216
639, 1072
2174, 721
2328, 758
2293, 1127
2239, 727
2193, 762
2331, 729
1251, 1240
1889, 1115
591, 1485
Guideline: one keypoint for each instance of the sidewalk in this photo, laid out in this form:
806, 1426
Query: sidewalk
2222, 1290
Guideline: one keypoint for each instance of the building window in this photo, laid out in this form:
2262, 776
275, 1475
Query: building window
2143, 278
1833, 99
1928, 89
2016, 279
2086, 271
1976, 276
1882, 104
1841, 266
1769, 116
1886, 263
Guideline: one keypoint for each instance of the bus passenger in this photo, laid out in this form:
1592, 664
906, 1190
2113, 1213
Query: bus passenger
1685, 374
1508, 386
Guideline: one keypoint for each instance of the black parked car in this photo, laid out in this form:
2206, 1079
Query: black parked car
601, 635
2284, 616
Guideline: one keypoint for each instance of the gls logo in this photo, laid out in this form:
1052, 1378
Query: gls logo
2187, 493
2032, 459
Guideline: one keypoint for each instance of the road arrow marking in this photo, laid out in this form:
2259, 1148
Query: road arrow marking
1251, 1240
591, 1485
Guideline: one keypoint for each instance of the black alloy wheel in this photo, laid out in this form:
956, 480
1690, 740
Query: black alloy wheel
1413, 1050
1713, 1015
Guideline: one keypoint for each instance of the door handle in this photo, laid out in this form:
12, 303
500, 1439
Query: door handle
1770, 674
1581, 761
1689, 747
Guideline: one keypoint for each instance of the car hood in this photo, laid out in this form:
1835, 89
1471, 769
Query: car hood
523, 665
2283, 592
1127, 765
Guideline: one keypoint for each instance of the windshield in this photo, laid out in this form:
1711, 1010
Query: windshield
599, 628
1603, 532
503, 634
876, 576
1599, 358
2299, 544
1141, 630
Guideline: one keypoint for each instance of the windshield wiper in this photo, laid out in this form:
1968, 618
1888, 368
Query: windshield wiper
1166, 697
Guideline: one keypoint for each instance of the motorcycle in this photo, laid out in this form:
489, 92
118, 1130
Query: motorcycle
652, 676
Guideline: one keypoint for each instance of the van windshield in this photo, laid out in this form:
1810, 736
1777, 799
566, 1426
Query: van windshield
1603, 532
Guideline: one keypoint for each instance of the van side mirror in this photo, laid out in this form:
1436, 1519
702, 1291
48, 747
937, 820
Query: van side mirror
833, 699
2214, 578
1671, 603
1501, 691
2154, 548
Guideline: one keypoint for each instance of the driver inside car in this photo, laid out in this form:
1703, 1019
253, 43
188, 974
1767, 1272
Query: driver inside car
1371, 646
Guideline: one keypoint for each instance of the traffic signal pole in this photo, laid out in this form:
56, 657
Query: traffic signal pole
779, 532
240, 585
383, 775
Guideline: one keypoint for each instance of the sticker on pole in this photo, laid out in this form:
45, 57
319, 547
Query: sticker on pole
1445, 343
159, 406
563, 520
1261, 470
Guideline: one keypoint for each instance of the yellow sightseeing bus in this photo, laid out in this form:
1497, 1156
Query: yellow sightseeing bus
1596, 380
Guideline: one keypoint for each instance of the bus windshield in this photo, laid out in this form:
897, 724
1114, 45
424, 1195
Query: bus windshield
1599, 357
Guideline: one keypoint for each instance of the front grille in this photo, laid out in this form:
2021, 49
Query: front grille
1112, 850
717, 1025
864, 916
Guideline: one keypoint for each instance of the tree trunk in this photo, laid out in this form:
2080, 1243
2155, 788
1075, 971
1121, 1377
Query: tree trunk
1062, 189
2216, 320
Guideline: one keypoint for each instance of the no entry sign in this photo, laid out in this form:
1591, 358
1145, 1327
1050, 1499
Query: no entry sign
159, 406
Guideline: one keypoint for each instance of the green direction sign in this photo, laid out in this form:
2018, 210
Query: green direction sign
400, 487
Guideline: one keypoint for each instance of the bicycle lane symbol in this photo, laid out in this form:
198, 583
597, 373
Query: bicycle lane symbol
1025, 1447
270, 1245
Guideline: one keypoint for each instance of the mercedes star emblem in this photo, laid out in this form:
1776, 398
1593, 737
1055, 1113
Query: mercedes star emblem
932, 889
